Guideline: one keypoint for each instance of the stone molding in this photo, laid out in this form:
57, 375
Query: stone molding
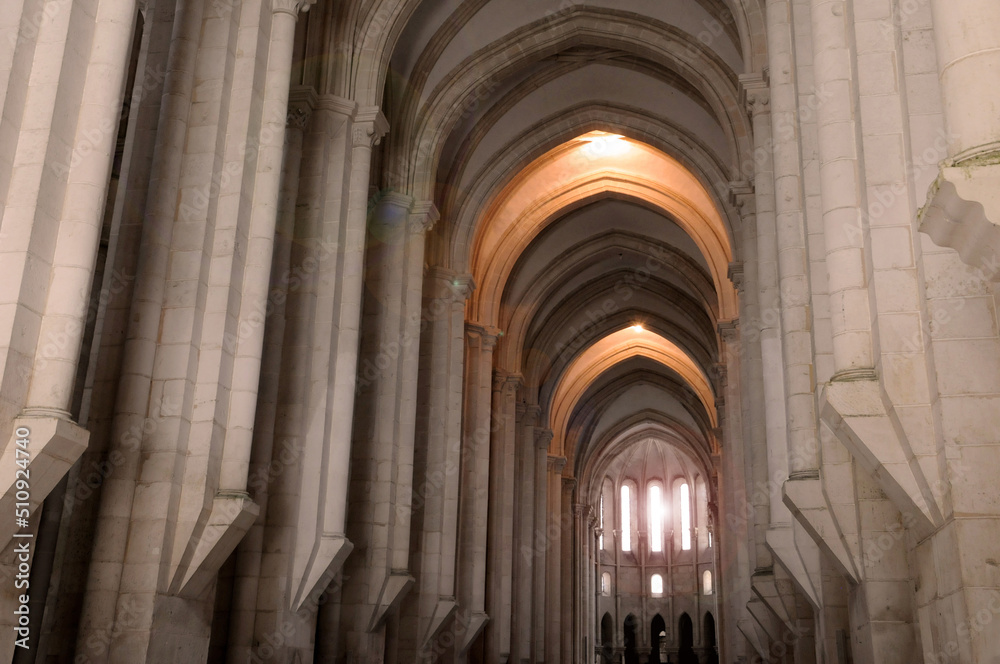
370, 125
302, 101
292, 7
543, 438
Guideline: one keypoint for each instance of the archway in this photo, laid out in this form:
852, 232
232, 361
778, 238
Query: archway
607, 639
709, 639
658, 640
631, 653
685, 628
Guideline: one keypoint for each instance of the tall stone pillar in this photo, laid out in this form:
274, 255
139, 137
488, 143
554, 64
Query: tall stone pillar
500, 545
786, 343
250, 549
540, 605
428, 618
197, 335
570, 609
552, 536
583, 576
384, 425
54, 191
524, 541
474, 499
968, 49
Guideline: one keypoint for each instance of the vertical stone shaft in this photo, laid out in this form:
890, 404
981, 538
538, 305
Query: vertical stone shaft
552, 535
501, 524
382, 454
539, 545
848, 268
250, 549
792, 257
474, 498
524, 550
84, 181
968, 50
437, 461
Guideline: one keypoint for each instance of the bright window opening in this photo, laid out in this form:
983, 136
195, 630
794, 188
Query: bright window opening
606, 584
600, 513
655, 520
626, 521
706, 582
656, 585
685, 518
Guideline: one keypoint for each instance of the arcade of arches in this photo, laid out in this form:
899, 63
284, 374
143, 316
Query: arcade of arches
500, 331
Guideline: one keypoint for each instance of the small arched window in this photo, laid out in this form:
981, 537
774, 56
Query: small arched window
655, 519
626, 519
706, 582
606, 584
600, 516
685, 517
656, 585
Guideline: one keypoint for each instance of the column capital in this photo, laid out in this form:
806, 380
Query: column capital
487, 333
755, 93
531, 414
423, 216
568, 483
728, 329
499, 379
556, 463
543, 438
302, 100
292, 7
735, 275
742, 196
449, 285
369, 127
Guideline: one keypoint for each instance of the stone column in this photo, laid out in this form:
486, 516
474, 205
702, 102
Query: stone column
569, 607
437, 464
54, 189
552, 536
543, 440
788, 373
500, 548
968, 49
581, 598
384, 424
524, 542
474, 498
250, 549
848, 269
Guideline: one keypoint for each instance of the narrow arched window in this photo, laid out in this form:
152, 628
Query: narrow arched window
606, 584
656, 585
600, 516
685, 517
655, 519
626, 520
706, 582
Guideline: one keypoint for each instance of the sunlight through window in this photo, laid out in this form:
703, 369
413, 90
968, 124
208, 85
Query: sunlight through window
655, 520
656, 585
685, 518
626, 521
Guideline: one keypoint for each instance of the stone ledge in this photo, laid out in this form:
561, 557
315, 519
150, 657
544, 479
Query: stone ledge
395, 587
231, 517
55, 444
963, 212
787, 548
860, 414
807, 501
315, 576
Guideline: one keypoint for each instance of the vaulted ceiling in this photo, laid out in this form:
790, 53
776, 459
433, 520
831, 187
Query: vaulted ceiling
582, 156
